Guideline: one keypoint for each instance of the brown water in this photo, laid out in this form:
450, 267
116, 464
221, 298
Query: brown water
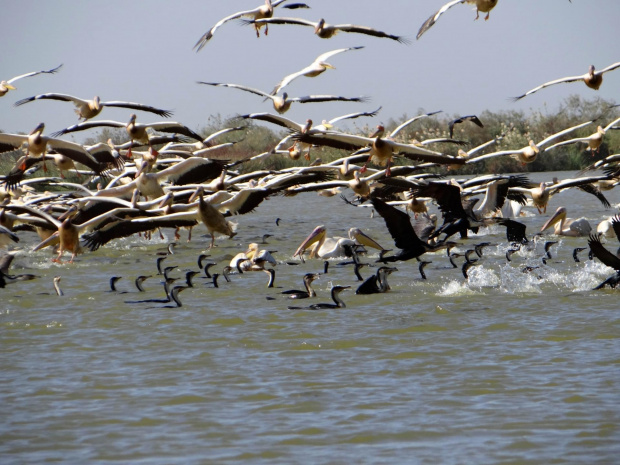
506, 367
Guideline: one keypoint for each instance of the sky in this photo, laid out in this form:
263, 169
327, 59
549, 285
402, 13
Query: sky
141, 51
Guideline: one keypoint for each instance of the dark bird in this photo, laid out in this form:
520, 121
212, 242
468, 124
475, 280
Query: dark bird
338, 302
576, 252
473, 118
548, 245
607, 258
309, 292
377, 283
421, 268
401, 230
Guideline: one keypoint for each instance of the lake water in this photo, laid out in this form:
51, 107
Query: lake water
505, 367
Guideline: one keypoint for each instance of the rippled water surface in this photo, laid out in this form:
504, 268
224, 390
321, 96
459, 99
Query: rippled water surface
505, 367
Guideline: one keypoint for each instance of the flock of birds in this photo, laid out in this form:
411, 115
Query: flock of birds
162, 177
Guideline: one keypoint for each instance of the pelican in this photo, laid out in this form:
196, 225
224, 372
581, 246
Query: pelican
331, 247
529, 153
135, 131
212, 218
260, 12
609, 227
5, 86
37, 145
544, 191
87, 109
564, 226
381, 150
593, 79
312, 70
326, 31
594, 140
484, 6
282, 104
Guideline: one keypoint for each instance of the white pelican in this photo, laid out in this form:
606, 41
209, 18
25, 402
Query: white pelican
326, 31
262, 11
5, 86
529, 153
252, 259
38, 144
609, 227
484, 6
212, 218
282, 104
135, 131
87, 109
331, 247
563, 226
312, 70
593, 79
543, 192
381, 150
594, 140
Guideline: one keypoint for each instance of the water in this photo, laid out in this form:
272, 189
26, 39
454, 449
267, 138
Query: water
506, 367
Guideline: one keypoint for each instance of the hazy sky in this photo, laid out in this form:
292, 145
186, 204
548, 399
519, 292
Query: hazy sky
141, 51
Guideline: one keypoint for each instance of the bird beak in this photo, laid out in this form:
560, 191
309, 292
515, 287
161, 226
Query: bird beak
364, 239
316, 235
9, 86
557, 216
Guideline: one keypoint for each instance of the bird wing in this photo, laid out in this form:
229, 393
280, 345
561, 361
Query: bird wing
615, 224
491, 155
550, 83
609, 68
9, 142
414, 152
447, 196
409, 121
435, 17
298, 21
126, 228
77, 153
553, 137
604, 255
238, 86
89, 125
34, 73
370, 31
275, 119
473, 118
515, 231
355, 115
207, 35
399, 226
327, 98
52, 96
175, 128
138, 106
326, 55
